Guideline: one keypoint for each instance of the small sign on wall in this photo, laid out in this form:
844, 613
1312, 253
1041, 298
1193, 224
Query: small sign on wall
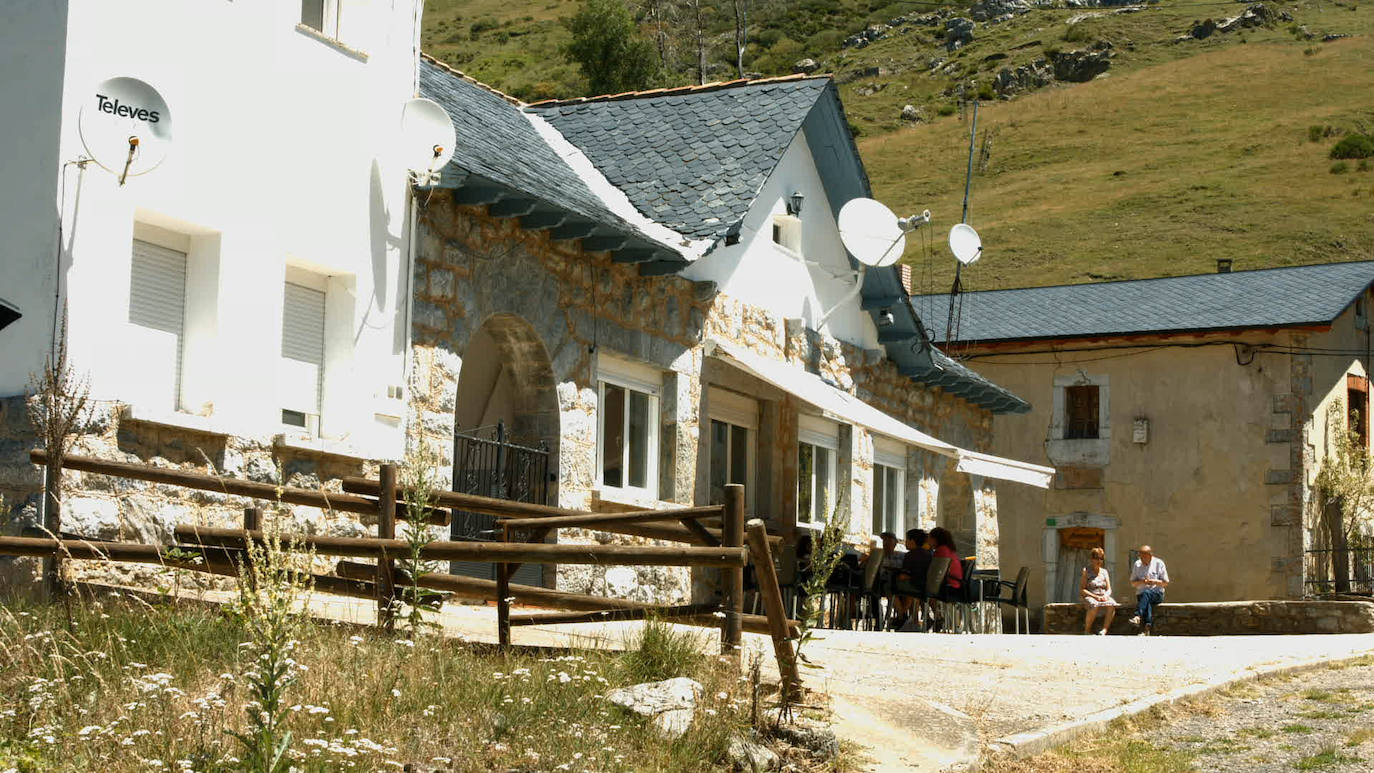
1140, 431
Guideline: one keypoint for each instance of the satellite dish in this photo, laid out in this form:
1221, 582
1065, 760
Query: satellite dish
871, 232
126, 126
965, 244
427, 139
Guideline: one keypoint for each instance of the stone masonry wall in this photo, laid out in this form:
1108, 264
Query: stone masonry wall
1228, 618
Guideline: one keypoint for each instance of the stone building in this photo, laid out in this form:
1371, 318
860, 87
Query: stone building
1191, 413
630, 301
652, 287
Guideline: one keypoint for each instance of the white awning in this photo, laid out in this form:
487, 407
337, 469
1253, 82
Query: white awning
840, 405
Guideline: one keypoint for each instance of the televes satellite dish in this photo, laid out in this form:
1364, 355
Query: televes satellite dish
427, 139
965, 244
871, 232
126, 126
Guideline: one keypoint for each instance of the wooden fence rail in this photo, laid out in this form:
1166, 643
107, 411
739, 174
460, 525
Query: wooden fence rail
224, 551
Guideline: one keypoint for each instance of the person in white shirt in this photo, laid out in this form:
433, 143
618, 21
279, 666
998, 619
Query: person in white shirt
1150, 577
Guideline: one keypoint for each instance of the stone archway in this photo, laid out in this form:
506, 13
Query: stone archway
507, 376
505, 413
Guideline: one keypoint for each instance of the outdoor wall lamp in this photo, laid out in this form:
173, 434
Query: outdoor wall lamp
885, 318
794, 204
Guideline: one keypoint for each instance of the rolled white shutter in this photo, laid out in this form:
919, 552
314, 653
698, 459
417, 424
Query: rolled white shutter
302, 348
157, 306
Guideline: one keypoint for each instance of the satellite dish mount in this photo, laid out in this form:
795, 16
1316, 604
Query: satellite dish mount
875, 237
427, 140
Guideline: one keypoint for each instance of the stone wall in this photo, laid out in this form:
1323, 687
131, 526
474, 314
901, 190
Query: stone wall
1228, 618
472, 269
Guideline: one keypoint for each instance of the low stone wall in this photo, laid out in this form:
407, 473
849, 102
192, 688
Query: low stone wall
1227, 618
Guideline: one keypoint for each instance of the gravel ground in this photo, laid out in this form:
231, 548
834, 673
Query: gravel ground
1315, 720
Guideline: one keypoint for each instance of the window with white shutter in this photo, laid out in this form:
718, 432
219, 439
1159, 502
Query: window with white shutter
302, 357
157, 309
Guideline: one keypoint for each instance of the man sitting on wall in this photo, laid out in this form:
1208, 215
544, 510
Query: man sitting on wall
1150, 577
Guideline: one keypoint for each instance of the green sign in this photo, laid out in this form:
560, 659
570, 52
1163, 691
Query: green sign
1049, 521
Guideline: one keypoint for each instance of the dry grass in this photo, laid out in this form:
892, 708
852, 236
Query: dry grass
132, 688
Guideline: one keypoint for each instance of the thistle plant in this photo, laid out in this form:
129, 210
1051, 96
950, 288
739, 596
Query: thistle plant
271, 607
827, 550
418, 480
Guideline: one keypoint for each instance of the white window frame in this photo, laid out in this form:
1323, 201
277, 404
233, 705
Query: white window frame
735, 411
330, 12
1080, 451
820, 434
889, 459
786, 234
313, 420
632, 377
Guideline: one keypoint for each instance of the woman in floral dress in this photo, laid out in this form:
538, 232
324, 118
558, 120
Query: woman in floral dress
1095, 589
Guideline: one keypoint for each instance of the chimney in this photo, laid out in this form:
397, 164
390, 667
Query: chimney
906, 278
1223, 265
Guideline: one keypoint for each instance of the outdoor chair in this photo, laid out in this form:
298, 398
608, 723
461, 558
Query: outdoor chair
1013, 593
935, 578
959, 602
870, 603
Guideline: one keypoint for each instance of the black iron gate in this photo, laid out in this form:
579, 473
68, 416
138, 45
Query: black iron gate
486, 463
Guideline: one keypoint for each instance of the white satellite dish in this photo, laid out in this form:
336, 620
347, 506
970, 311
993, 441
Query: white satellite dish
126, 126
871, 232
427, 139
965, 243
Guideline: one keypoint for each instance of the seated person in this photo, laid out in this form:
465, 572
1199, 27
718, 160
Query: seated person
911, 577
1095, 589
943, 543
889, 555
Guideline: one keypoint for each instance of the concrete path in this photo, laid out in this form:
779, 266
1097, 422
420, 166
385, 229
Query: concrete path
928, 702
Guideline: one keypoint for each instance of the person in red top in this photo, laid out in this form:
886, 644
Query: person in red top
944, 548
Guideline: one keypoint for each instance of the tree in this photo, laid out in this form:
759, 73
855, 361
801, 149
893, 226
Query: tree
608, 48
741, 8
1343, 507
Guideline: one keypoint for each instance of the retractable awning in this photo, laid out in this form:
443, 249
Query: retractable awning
840, 405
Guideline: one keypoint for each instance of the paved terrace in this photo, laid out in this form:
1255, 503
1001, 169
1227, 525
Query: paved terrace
928, 702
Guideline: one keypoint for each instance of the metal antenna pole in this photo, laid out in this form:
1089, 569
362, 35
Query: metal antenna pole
950, 333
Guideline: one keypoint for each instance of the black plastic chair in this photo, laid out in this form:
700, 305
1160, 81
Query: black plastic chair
1014, 594
959, 602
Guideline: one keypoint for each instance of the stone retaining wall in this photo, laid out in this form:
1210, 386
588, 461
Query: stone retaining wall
1228, 618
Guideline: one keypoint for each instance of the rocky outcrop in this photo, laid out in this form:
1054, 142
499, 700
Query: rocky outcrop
1082, 65
1027, 77
994, 10
1257, 15
806, 66
913, 114
958, 33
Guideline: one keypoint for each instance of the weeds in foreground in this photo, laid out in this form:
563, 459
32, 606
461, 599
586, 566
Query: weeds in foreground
1327, 758
136, 688
418, 481
270, 606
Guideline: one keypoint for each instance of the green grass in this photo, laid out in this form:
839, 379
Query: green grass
128, 685
1324, 759
1296, 729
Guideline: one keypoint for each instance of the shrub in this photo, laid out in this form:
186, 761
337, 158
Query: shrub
1340, 167
1078, 33
660, 651
1354, 146
1315, 133
986, 92
946, 109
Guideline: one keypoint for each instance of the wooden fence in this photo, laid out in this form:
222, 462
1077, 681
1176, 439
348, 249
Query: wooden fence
524, 528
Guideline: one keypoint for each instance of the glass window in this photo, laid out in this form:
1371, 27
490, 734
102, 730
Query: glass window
815, 483
888, 500
1080, 412
729, 457
628, 437
321, 15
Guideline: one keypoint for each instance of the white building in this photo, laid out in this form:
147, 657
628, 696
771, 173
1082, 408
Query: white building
253, 283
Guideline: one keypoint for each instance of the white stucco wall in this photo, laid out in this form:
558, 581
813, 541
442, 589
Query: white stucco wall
282, 156
32, 46
758, 272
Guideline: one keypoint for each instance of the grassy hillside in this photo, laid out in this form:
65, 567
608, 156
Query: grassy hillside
1185, 151
1155, 173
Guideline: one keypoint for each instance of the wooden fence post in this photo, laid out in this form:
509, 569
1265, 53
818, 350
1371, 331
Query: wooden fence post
767, 578
503, 573
732, 535
386, 529
52, 521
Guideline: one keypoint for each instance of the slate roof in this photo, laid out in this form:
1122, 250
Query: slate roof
497, 142
691, 159
1276, 297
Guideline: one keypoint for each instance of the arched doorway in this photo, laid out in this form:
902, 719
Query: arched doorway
506, 429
